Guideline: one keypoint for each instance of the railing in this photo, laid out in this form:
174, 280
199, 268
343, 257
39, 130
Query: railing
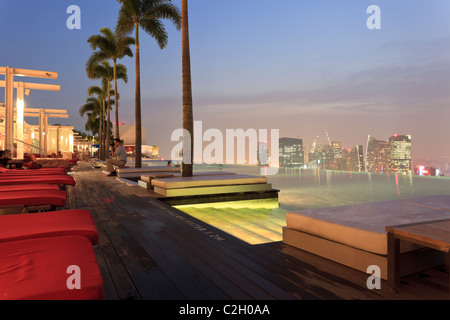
34, 148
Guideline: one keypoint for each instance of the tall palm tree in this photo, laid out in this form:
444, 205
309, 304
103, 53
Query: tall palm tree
111, 46
105, 71
95, 110
103, 96
188, 117
148, 15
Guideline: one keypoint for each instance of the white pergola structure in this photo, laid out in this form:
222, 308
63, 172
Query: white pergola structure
44, 128
22, 89
82, 145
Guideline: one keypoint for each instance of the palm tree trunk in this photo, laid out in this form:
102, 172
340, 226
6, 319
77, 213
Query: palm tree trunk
116, 102
102, 139
188, 118
138, 137
99, 142
108, 121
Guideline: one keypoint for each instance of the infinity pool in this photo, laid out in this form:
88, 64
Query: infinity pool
258, 222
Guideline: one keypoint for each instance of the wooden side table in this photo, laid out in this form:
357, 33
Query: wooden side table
430, 234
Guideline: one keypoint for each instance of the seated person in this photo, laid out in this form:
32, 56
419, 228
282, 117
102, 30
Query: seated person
120, 156
30, 162
5, 158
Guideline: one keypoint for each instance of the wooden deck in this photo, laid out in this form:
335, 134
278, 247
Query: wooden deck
151, 251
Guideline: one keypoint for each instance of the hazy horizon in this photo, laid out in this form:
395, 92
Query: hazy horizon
303, 67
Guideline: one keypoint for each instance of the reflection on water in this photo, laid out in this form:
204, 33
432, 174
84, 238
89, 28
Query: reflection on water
315, 189
254, 221
307, 189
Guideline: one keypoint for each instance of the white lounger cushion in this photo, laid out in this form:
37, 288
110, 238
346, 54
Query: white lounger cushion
206, 180
358, 238
362, 226
147, 170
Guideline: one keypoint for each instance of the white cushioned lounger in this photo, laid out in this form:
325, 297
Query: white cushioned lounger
137, 172
147, 177
355, 235
207, 180
210, 184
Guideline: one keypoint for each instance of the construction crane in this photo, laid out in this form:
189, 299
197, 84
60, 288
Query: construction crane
328, 137
313, 146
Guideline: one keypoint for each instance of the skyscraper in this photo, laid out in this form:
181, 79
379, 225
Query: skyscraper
337, 156
291, 152
378, 157
400, 153
356, 159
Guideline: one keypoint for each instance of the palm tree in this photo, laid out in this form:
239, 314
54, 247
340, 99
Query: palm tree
148, 15
105, 71
111, 46
188, 117
104, 96
95, 110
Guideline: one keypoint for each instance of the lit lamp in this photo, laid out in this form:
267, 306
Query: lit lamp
71, 140
20, 109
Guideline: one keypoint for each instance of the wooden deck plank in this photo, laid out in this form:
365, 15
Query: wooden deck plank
149, 250
172, 288
140, 266
116, 269
168, 246
228, 261
153, 239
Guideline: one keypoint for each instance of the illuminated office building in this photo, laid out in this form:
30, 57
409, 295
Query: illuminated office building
356, 159
400, 153
378, 157
291, 152
337, 156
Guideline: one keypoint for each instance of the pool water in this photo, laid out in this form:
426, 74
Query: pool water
258, 222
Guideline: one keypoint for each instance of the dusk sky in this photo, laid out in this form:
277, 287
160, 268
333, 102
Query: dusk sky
304, 67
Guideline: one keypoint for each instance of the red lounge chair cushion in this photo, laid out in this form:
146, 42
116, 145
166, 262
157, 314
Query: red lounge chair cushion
48, 224
29, 187
36, 269
47, 179
37, 172
57, 169
33, 198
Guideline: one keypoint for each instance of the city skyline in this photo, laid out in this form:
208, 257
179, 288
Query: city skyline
381, 156
305, 68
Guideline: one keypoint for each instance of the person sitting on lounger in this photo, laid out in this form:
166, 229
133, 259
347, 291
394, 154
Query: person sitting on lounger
120, 156
30, 162
5, 158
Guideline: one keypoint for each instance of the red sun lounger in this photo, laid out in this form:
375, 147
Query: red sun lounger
29, 187
5, 176
47, 179
62, 268
47, 225
55, 169
54, 198
29, 172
